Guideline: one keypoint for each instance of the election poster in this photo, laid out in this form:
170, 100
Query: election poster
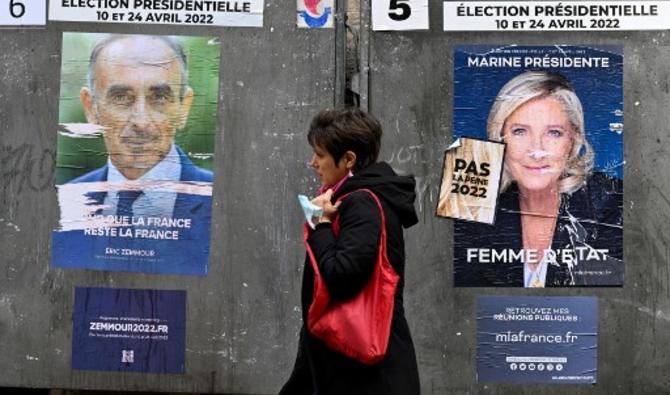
136, 133
551, 340
129, 330
471, 179
559, 111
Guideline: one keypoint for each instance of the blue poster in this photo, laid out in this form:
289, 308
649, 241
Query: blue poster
136, 152
524, 339
559, 217
129, 330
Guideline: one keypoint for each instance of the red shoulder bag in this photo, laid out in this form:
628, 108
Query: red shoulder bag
358, 327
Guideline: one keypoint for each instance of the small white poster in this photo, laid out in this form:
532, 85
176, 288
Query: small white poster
247, 13
471, 180
315, 14
399, 14
23, 12
556, 16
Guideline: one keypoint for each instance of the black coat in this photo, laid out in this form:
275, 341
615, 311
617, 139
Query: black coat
345, 263
589, 217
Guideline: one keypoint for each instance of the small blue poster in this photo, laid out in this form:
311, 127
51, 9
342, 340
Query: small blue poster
525, 339
129, 330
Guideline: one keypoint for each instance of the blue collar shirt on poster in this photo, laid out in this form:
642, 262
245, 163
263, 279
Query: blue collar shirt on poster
154, 202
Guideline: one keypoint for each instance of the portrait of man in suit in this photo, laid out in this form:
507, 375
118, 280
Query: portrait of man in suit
138, 92
148, 207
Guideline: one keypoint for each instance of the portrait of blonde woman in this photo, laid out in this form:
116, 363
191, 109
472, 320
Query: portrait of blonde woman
559, 222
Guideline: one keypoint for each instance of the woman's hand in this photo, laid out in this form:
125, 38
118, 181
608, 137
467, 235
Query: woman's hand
329, 209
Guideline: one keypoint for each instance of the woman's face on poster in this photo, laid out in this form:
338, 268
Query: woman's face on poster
539, 139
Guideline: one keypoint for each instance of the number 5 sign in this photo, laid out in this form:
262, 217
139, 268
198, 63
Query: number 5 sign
23, 12
399, 14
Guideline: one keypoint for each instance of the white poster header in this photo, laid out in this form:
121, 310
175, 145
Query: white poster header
554, 15
175, 12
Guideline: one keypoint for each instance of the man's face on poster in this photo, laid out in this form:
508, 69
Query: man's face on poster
139, 99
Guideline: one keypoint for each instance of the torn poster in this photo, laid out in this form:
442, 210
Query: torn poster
135, 152
559, 110
129, 330
471, 179
315, 13
537, 339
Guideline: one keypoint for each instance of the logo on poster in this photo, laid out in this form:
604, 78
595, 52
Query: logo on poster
311, 14
127, 356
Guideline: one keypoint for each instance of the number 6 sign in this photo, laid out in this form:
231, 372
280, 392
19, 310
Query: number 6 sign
23, 12
399, 14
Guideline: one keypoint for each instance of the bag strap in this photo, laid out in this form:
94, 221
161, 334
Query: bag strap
382, 237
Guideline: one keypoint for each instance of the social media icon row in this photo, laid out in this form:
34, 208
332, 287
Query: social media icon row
533, 366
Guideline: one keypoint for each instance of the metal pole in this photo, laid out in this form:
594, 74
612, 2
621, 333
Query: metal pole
364, 57
340, 52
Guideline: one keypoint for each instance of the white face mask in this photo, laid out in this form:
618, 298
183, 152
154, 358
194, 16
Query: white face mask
310, 210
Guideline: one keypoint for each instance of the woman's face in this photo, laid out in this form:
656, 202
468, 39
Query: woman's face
539, 140
323, 163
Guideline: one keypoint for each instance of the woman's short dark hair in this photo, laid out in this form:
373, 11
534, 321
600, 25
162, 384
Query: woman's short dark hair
351, 129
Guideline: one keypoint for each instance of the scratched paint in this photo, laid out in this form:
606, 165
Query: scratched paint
26, 167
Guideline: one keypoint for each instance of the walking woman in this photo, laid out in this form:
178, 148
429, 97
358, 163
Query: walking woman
346, 145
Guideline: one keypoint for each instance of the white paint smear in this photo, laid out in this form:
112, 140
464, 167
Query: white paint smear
78, 206
11, 225
201, 155
616, 127
538, 154
81, 130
